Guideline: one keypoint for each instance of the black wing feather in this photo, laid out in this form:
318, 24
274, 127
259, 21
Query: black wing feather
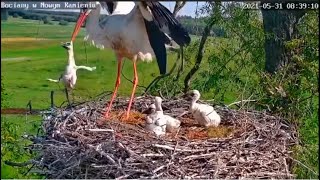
157, 41
163, 17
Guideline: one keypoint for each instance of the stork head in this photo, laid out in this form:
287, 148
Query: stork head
151, 109
67, 45
193, 95
84, 12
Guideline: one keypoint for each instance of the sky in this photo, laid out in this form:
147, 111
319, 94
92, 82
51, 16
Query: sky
189, 8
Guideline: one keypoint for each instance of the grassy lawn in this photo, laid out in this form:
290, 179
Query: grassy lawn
27, 63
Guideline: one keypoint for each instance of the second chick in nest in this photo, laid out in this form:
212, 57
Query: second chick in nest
155, 121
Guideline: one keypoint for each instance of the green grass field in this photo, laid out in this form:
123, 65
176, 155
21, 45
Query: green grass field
27, 63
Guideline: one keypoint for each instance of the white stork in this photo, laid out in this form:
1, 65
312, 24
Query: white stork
155, 121
203, 113
138, 35
161, 119
69, 77
171, 122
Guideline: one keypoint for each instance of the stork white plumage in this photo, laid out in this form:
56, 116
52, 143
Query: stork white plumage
203, 113
138, 35
69, 77
157, 115
171, 123
155, 121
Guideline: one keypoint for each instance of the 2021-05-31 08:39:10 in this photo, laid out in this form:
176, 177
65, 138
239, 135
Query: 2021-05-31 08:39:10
280, 5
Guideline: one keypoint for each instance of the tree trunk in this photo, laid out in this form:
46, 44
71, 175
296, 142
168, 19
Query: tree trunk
280, 26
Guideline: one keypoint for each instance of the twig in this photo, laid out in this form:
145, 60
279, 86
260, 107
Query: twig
161, 167
101, 130
23, 164
176, 149
239, 102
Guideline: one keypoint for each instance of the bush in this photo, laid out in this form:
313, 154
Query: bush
63, 23
15, 15
56, 18
46, 21
26, 16
70, 19
43, 18
4, 95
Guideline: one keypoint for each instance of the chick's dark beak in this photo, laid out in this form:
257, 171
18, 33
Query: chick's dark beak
64, 45
186, 96
147, 111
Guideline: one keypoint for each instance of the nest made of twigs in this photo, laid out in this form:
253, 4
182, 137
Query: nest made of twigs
77, 144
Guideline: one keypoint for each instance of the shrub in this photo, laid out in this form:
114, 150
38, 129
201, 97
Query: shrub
15, 15
26, 16
46, 21
63, 23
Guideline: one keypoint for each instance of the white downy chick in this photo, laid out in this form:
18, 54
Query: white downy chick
204, 114
69, 77
171, 123
152, 122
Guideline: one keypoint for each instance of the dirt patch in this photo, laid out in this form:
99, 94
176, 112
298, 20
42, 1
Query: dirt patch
21, 39
14, 111
16, 59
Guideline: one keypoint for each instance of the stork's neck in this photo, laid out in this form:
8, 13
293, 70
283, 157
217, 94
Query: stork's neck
193, 103
71, 57
158, 106
93, 20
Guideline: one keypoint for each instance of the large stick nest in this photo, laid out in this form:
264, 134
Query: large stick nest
78, 144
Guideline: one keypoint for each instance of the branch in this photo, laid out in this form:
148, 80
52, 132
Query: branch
10, 163
157, 79
200, 53
238, 102
179, 5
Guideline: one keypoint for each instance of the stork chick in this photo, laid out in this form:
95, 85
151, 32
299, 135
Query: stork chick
69, 78
155, 121
203, 113
171, 122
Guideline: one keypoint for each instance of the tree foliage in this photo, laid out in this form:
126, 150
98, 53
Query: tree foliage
232, 68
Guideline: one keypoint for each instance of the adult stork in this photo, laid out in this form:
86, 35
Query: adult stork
138, 35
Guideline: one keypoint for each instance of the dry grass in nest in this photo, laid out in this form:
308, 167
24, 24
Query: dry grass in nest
247, 144
220, 131
135, 117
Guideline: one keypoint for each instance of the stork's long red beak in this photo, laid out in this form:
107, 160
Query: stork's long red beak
81, 19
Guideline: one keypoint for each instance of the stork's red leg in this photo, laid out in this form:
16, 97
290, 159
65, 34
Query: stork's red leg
116, 86
135, 82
